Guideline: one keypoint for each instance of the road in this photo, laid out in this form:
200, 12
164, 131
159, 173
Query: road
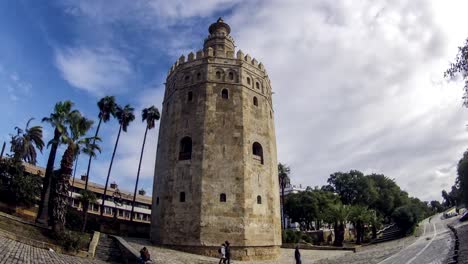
433, 246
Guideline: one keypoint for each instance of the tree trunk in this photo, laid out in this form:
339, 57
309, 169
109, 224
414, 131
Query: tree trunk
74, 173
61, 190
44, 212
90, 156
3, 150
138, 174
85, 215
283, 222
110, 169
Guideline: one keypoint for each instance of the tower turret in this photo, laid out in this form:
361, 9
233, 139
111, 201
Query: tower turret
219, 39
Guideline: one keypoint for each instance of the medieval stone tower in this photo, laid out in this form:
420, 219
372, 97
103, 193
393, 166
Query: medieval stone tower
216, 169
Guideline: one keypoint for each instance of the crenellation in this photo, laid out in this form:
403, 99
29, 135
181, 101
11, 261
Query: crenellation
260, 66
254, 62
181, 59
240, 55
247, 58
191, 56
199, 54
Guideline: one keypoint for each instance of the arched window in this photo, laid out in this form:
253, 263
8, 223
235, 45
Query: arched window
231, 76
257, 152
248, 80
157, 200
198, 76
187, 78
225, 94
259, 199
257, 85
189, 96
222, 197
182, 197
185, 152
255, 101
218, 75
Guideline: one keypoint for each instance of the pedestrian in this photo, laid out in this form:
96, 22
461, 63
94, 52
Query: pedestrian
222, 253
144, 255
228, 252
297, 255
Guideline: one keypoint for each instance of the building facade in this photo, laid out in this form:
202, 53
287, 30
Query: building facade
216, 166
120, 209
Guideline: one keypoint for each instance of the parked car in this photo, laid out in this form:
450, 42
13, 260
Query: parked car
464, 217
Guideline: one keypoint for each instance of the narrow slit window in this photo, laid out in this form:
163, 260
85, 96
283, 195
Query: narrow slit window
225, 94
190, 96
182, 197
259, 199
222, 197
255, 101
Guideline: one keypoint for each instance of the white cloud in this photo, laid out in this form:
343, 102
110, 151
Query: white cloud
358, 83
97, 71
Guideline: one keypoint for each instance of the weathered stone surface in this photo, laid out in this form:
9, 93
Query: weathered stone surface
223, 131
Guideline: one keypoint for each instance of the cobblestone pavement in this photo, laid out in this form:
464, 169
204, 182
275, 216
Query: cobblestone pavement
164, 255
18, 253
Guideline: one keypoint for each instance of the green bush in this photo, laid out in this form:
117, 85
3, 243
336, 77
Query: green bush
290, 236
74, 220
72, 241
306, 238
406, 218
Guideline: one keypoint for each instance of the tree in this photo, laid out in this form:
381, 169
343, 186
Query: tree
25, 143
460, 67
78, 127
87, 146
125, 116
150, 115
284, 181
461, 185
338, 215
360, 215
107, 107
86, 198
353, 187
58, 120
436, 206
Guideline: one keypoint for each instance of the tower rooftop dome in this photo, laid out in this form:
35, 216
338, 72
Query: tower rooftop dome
219, 26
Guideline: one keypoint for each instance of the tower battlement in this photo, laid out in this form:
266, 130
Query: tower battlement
209, 53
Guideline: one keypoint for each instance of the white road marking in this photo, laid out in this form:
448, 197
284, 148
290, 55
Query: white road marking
422, 250
396, 254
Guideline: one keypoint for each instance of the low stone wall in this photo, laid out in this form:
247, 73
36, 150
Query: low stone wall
237, 253
129, 254
312, 247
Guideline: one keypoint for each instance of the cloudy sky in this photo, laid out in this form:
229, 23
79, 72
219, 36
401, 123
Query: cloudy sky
358, 84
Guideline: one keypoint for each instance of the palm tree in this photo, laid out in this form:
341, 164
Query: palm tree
284, 181
125, 116
78, 127
338, 215
106, 109
25, 142
59, 120
86, 198
150, 115
89, 147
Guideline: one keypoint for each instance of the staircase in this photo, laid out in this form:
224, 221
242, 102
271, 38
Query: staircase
108, 250
390, 232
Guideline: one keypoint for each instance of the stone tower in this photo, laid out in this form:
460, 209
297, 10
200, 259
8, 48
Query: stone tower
216, 168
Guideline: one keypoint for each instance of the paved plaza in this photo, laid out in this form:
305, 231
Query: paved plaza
13, 252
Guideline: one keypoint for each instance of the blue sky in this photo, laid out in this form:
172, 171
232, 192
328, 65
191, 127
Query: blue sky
357, 85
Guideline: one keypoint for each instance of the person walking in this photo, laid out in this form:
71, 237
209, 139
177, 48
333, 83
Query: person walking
228, 252
222, 253
297, 255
